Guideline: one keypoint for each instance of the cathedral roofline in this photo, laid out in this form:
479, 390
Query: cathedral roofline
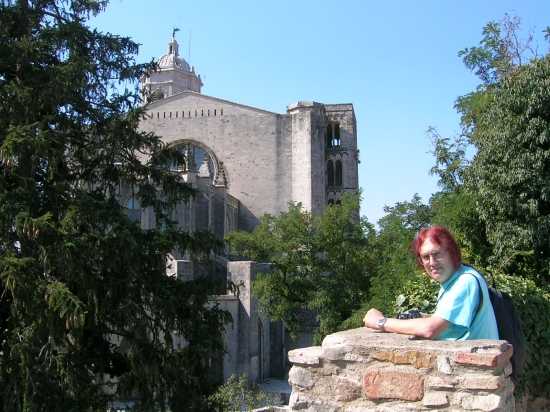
160, 102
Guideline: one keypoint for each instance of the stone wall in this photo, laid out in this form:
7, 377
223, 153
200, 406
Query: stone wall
363, 370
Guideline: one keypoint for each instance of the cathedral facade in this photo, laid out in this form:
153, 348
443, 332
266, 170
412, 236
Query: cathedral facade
246, 162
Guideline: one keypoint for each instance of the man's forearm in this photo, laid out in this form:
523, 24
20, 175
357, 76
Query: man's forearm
429, 327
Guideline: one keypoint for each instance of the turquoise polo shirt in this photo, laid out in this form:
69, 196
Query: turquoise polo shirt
457, 303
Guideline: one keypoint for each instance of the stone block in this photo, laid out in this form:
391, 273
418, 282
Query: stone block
444, 365
441, 382
305, 356
346, 390
393, 384
435, 398
482, 382
415, 358
300, 377
490, 402
335, 352
298, 401
486, 359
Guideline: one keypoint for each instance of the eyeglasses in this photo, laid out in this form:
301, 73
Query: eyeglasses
437, 256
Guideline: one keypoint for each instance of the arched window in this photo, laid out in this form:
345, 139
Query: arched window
336, 140
330, 173
338, 173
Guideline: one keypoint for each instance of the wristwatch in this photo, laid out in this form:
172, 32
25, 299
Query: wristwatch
381, 322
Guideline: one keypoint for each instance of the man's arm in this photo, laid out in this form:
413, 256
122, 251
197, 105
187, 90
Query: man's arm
429, 327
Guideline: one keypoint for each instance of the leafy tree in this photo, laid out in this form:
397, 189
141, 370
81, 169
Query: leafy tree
511, 170
455, 205
87, 313
392, 265
319, 263
506, 121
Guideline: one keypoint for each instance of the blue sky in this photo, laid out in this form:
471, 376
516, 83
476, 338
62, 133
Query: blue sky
396, 61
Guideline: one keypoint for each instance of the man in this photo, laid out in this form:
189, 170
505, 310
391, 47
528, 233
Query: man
460, 312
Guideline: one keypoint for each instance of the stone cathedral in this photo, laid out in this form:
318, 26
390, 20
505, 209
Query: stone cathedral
245, 162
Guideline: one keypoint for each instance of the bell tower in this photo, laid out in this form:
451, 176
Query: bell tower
173, 75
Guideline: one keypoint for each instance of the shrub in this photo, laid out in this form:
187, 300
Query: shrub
238, 395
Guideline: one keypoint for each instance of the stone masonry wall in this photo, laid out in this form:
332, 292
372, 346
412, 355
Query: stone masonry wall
363, 370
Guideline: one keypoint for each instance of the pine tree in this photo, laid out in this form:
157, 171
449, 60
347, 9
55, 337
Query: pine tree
87, 313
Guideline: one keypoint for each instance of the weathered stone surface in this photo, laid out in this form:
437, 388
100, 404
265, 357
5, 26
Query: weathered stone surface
335, 352
297, 401
383, 372
490, 402
483, 382
444, 365
411, 357
493, 359
435, 398
346, 390
444, 382
394, 384
300, 377
508, 370
305, 356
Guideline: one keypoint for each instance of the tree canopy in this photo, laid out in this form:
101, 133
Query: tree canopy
319, 263
87, 313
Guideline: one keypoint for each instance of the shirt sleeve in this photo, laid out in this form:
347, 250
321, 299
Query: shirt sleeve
459, 303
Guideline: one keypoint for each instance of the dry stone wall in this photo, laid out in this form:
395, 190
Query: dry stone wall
364, 370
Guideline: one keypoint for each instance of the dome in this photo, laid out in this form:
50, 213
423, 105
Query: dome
171, 60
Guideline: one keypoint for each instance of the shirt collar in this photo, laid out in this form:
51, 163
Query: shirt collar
452, 278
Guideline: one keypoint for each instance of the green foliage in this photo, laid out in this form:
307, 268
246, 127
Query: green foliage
237, 395
450, 161
391, 262
85, 302
496, 205
533, 306
392, 258
319, 263
500, 51
510, 171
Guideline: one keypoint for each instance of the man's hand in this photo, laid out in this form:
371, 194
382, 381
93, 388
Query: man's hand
372, 316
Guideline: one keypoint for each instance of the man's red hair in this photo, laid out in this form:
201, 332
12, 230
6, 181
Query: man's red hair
441, 237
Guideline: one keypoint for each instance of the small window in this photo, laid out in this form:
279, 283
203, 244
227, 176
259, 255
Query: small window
336, 136
214, 112
330, 173
338, 173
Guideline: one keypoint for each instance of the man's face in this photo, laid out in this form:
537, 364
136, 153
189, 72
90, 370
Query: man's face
436, 261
